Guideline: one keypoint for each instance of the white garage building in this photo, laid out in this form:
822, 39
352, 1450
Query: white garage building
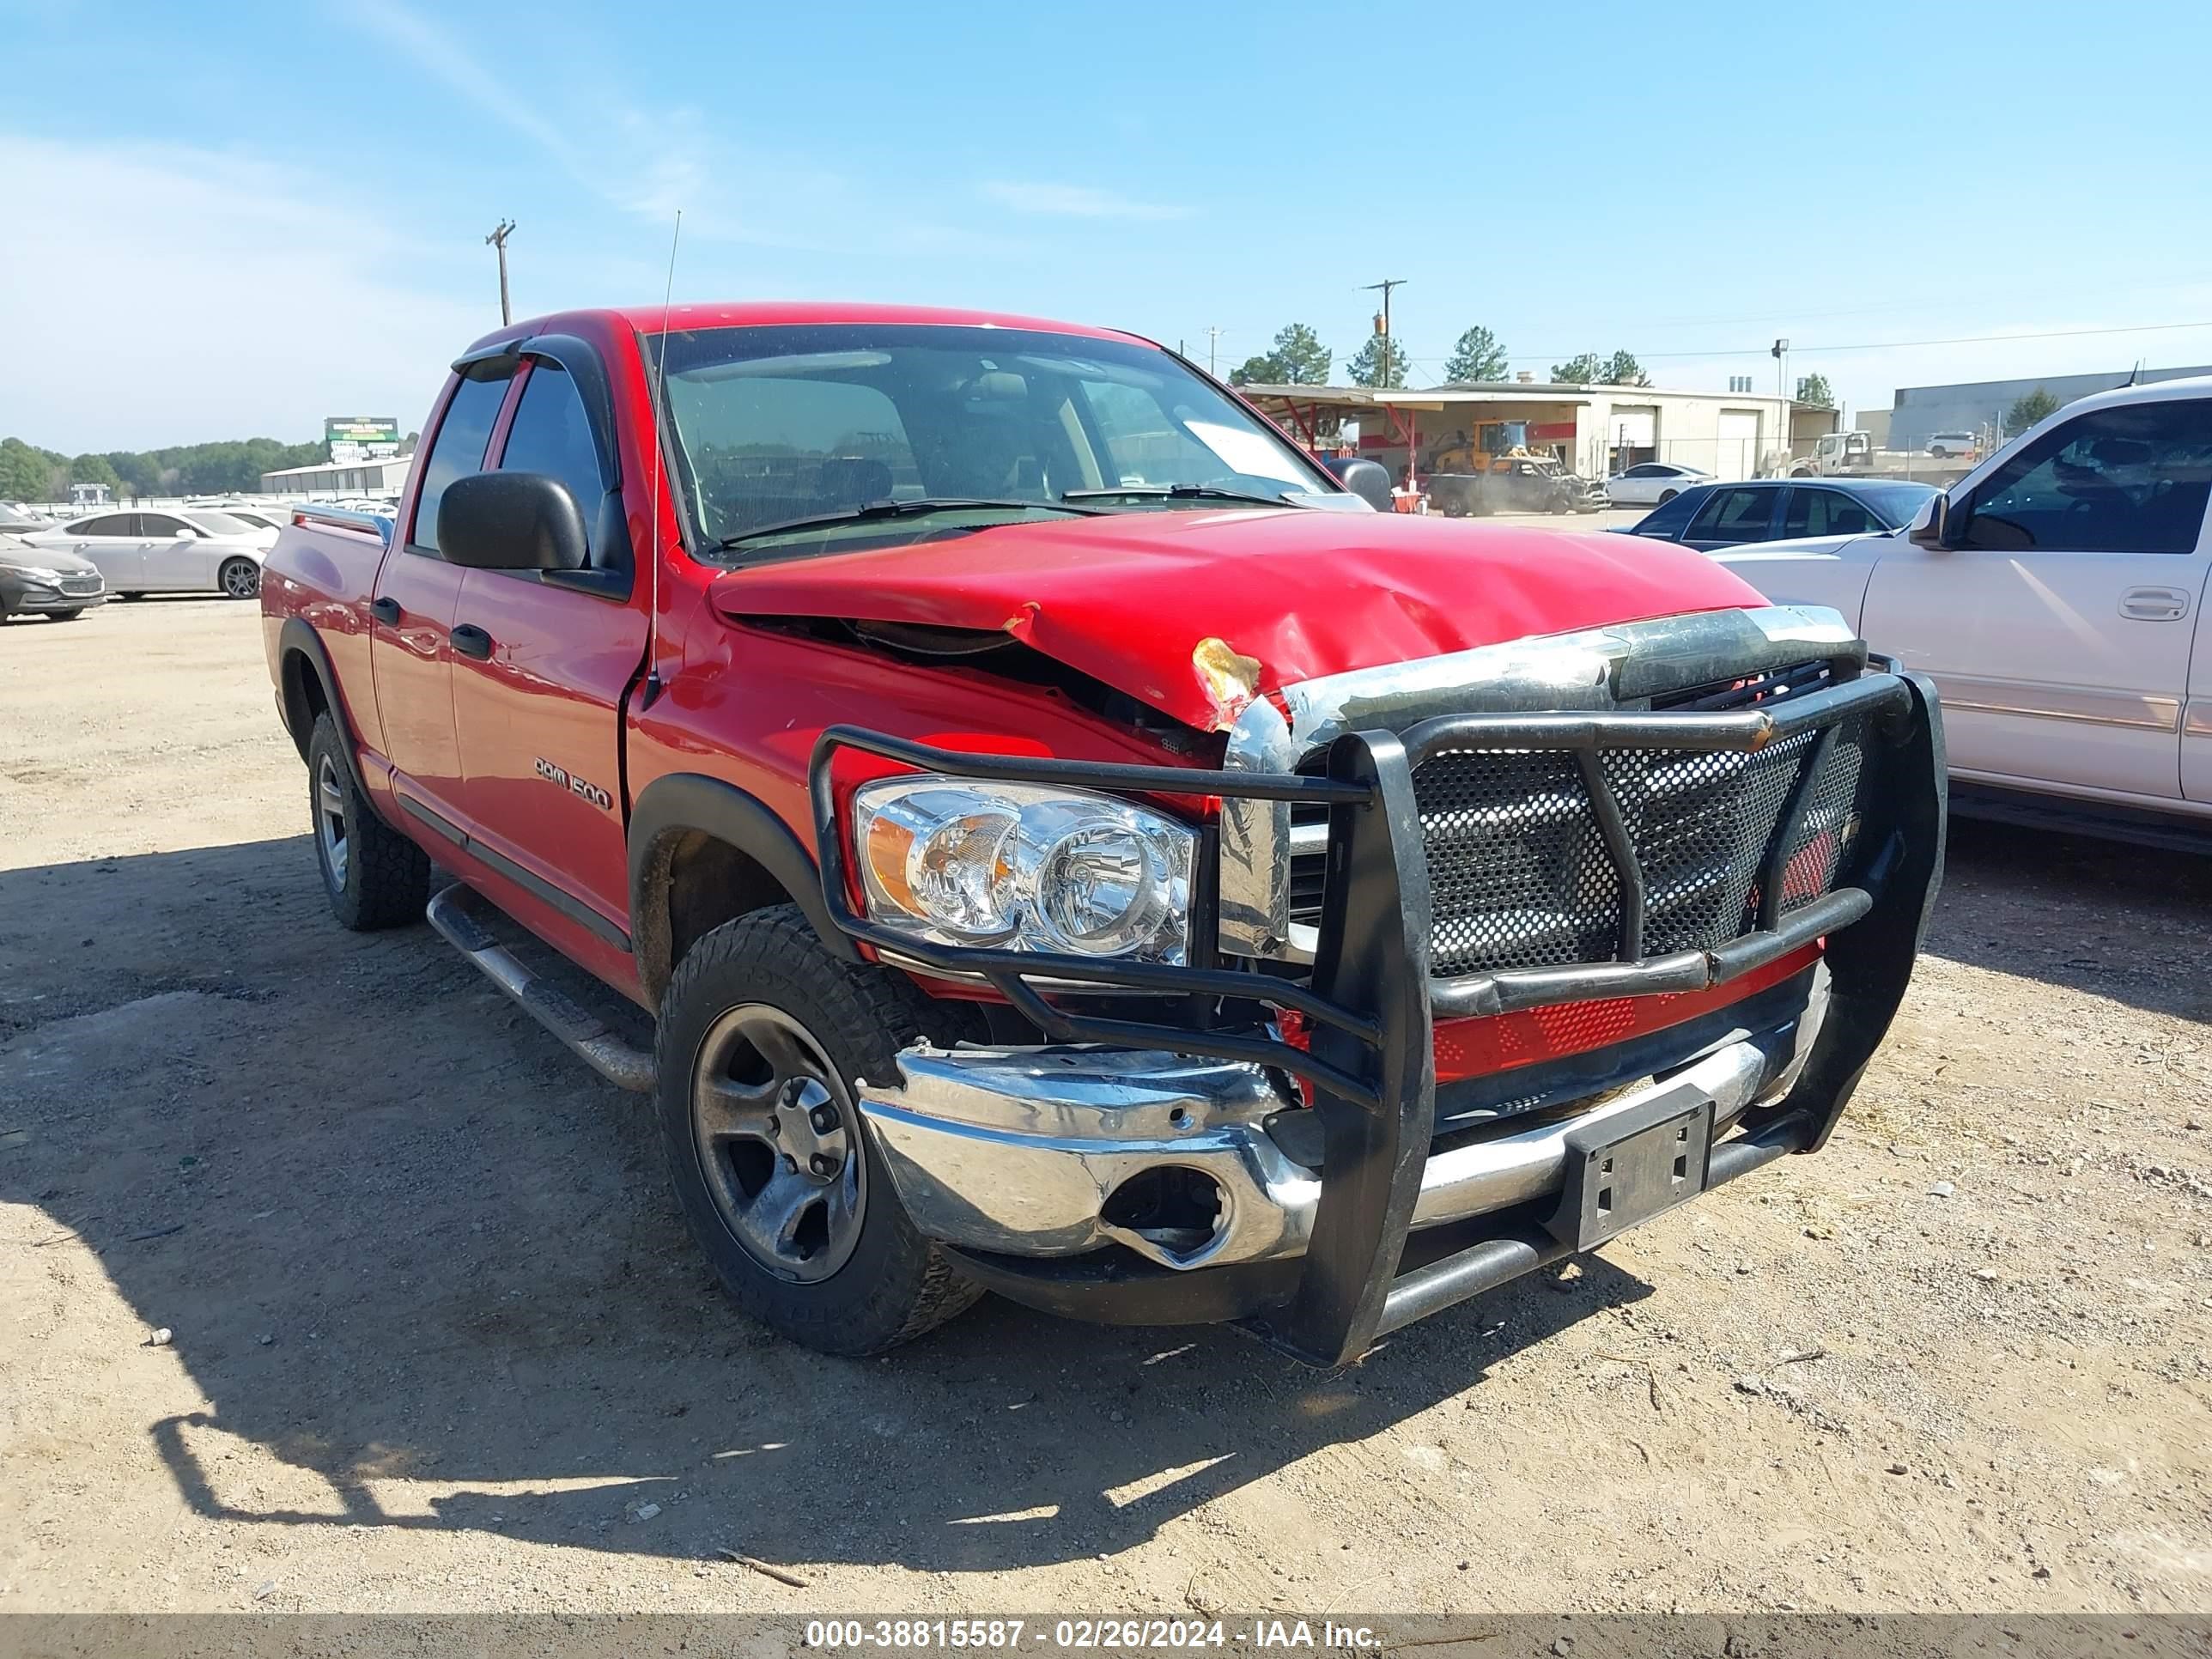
1594, 430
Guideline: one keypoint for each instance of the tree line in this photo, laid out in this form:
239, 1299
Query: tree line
29, 473
1298, 357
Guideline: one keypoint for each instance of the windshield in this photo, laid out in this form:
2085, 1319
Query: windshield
1897, 502
221, 524
774, 426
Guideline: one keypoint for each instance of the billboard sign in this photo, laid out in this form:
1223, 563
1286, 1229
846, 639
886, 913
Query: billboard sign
361, 438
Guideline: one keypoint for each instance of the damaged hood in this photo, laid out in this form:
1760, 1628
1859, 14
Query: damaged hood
1193, 612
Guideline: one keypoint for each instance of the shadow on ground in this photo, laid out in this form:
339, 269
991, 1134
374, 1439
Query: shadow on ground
2131, 923
399, 1236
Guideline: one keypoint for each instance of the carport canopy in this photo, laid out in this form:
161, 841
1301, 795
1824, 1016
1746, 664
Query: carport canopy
1306, 409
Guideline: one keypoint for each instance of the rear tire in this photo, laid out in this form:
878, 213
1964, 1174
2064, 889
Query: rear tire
800, 1221
238, 579
1667, 496
373, 876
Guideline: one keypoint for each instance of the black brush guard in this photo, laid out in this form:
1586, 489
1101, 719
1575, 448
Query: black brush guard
1370, 996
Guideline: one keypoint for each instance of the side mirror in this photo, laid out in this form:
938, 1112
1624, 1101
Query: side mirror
511, 521
1369, 480
1931, 525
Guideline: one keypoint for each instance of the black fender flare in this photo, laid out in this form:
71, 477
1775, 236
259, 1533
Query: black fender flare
685, 802
297, 638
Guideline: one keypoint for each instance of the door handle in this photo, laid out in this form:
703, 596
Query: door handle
386, 610
472, 642
2154, 603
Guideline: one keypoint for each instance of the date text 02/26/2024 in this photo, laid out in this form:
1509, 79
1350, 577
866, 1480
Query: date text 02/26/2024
1081, 1635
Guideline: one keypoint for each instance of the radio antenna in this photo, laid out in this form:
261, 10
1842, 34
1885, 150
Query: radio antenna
659, 386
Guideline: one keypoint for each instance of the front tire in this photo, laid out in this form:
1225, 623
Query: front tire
238, 579
64, 616
373, 876
763, 1037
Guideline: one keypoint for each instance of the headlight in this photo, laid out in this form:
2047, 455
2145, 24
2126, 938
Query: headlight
31, 573
961, 861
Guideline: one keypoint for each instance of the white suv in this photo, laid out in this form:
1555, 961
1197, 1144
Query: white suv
2053, 594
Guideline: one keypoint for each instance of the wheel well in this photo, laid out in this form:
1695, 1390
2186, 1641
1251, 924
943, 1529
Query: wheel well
694, 882
304, 701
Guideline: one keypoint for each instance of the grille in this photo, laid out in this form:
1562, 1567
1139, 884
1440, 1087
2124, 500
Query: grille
79, 584
1518, 873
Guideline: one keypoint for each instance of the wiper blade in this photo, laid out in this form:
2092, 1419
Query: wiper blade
895, 509
1174, 493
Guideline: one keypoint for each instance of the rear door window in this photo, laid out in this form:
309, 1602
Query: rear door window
457, 451
1734, 515
115, 524
1667, 521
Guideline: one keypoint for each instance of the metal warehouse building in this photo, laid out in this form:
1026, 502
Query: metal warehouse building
1918, 412
1593, 430
339, 478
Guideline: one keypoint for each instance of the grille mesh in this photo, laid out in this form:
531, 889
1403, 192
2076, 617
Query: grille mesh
1518, 870
1518, 873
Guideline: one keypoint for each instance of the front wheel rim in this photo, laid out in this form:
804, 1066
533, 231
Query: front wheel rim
330, 823
777, 1138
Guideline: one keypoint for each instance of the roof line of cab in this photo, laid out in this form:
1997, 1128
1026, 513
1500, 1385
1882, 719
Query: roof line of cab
650, 320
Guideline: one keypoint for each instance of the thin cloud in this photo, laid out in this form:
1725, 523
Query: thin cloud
445, 59
274, 306
1075, 201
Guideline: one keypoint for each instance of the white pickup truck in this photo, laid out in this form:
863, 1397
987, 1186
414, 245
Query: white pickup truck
2053, 594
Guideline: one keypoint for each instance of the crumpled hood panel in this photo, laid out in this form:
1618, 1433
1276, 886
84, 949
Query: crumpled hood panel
1193, 611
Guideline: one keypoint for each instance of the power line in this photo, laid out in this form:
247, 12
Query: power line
1892, 345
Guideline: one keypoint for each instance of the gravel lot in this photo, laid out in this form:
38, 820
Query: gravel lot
437, 1342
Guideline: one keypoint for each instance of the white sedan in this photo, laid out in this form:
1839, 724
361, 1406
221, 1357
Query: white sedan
191, 550
1650, 482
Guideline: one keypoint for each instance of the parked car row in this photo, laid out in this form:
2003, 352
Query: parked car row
187, 551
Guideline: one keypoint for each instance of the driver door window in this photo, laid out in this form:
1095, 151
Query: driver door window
1825, 513
550, 434
2127, 480
171, 556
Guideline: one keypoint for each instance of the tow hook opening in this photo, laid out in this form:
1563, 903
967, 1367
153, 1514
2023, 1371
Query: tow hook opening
1177, 1213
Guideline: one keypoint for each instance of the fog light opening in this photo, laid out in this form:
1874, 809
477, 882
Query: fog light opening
1176, 1211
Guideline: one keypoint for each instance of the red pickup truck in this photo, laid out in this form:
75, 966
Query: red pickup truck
1070, 845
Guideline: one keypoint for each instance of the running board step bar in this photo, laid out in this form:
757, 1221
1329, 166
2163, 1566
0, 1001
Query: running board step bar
595, 1043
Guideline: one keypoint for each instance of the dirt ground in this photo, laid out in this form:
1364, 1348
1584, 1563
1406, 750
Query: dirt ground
436, 1341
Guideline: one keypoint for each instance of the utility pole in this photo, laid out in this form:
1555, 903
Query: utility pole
1213, 340
1782, 368
498, 240
1383, 321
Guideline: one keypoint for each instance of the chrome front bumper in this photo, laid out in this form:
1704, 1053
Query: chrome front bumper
1019, 1152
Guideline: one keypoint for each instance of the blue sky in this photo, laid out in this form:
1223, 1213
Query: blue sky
234, 219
